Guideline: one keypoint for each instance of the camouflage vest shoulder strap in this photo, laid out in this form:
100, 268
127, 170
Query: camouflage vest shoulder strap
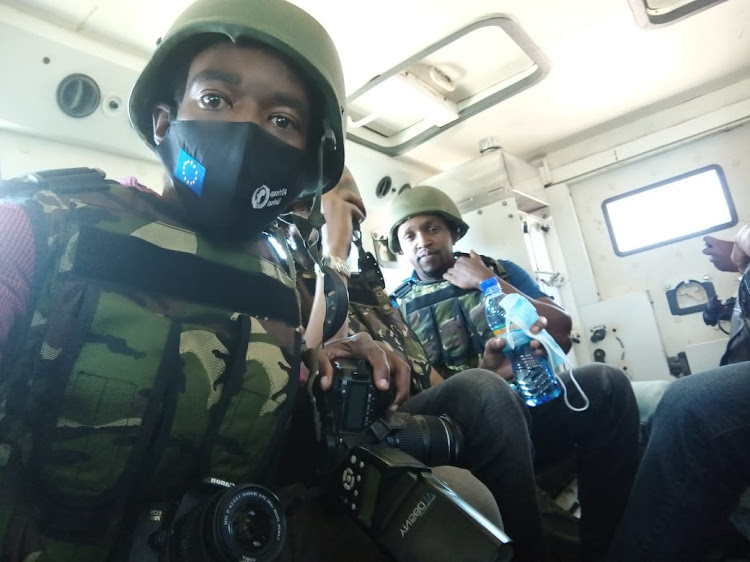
148, 362
371, 311
448, 321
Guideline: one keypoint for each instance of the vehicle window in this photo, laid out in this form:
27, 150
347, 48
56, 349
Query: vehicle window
688, 205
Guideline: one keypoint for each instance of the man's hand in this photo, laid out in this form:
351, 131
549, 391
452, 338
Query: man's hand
719, 253
468, 272
386, 364
494, 358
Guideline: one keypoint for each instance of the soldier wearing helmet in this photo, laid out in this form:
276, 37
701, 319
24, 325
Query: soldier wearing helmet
442, 303
425, 224
150, 342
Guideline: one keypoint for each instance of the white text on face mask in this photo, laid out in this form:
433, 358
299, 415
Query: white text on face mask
263, 197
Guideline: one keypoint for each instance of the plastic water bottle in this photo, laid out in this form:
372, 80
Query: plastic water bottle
495, 314
533, 376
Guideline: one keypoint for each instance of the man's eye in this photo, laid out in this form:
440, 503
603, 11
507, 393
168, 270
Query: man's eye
282, 121
214, 101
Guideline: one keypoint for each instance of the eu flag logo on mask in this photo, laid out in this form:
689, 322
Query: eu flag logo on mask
190, 172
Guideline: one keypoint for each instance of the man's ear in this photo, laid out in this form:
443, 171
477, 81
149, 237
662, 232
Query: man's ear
160, 118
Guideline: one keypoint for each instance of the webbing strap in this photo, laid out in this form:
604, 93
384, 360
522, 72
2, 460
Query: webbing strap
134, 263
446, 293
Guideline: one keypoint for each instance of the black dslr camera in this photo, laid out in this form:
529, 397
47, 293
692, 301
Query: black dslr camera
376, 468
215, 521
355, 411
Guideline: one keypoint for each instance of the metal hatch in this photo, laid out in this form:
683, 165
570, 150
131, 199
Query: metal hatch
451, 80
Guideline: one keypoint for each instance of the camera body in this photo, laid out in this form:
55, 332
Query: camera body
215, 521
376, 464
413, 515
355, 411
354, 402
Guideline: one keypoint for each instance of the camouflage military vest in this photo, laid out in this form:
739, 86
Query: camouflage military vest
448, 321
151, 358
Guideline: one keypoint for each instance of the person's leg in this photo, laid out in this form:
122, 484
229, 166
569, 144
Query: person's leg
471, 490
696, 464
604, 438
496, 448
648, 395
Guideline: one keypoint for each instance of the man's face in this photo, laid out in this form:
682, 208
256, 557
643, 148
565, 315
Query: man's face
227, 82
427, 241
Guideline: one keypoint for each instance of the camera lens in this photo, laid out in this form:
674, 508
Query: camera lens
244, 522
433, 440
252, 528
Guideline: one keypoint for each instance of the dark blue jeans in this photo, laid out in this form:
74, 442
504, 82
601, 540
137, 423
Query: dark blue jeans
497, 448
695, 466
499, 431
604, 440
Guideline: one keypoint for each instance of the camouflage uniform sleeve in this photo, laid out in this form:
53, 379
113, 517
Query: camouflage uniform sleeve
388, 327
16, 267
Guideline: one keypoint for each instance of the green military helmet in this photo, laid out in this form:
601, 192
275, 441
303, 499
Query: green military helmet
423, 200
276, 23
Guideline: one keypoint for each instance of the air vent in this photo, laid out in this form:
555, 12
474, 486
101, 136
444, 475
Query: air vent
384, 186
78, 95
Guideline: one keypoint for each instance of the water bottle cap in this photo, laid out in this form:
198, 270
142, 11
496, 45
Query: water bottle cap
488, 284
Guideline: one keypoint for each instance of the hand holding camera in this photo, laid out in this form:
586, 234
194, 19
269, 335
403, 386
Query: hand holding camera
389, 370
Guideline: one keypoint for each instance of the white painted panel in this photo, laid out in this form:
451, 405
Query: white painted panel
633, 342
572, 246
28, 100
21, 154
662, 268
497, 231
704, 356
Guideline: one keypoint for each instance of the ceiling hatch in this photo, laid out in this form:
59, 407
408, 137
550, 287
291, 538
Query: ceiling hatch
457, 77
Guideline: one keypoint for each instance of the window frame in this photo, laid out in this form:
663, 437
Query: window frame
673, 179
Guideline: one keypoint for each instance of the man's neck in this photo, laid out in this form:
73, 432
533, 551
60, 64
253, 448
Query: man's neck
430, 279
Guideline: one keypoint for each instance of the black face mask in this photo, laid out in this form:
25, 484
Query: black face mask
232, 179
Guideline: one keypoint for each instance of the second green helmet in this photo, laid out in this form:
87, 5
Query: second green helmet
422, 200
276, 23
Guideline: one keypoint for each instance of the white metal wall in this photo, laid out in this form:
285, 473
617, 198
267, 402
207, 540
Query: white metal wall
654, 271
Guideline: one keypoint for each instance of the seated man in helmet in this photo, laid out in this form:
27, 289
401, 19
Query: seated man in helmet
424, 225
148, 343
